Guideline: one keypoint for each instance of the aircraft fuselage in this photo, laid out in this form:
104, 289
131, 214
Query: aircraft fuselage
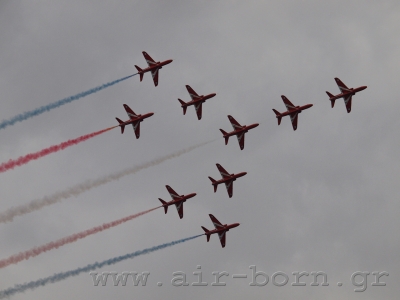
231, 177
351, 92
157, 65
224, 228
297, 109
201, 98
182, 198
244, 129
139, 118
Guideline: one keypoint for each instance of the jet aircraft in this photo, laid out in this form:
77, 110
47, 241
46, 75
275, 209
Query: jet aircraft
227, 178
197, 101
238, 130
220, 229
292, 111
134, 120
153, 67
346, 94
177, 200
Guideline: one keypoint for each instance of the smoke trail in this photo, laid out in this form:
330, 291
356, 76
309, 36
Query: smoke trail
14, 259
19, 288
8, 215
11, 164
42, 109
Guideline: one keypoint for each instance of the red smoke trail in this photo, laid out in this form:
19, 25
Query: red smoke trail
69, 239
11, 164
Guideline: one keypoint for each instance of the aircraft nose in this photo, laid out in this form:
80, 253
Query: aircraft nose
150, 114
169, 61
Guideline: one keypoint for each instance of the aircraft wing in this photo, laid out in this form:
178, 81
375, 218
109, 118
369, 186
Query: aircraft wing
347, 101
229, 187
136, 128
179, 208
173, 194
222, 238
293, 118
240, 138
130, 112
154, 73
235, 124
223, 172
198, 108
192, 93
289, 105
216, 223
148, 59
343, 88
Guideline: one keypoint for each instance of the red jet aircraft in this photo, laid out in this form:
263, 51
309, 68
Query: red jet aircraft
177, 200
238, 130
346, 94
197, 101
220, 229
227, 178
134, 120
292, 111
153, 67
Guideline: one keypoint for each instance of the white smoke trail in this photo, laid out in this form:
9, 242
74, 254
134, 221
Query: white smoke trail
10, 214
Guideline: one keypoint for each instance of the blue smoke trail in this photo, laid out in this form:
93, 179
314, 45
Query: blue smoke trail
19, 288
42, 109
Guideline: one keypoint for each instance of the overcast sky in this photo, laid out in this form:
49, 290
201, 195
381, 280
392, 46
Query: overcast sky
321, 198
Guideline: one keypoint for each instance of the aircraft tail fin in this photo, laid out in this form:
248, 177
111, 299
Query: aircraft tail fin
330, 98
206, 233
122, 126
278, 116
140, 71
226, 136
184, 106
163, 202
213, 183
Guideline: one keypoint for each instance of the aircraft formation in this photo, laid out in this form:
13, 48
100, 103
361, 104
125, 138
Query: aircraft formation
197, 101
178, 200
238, 130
